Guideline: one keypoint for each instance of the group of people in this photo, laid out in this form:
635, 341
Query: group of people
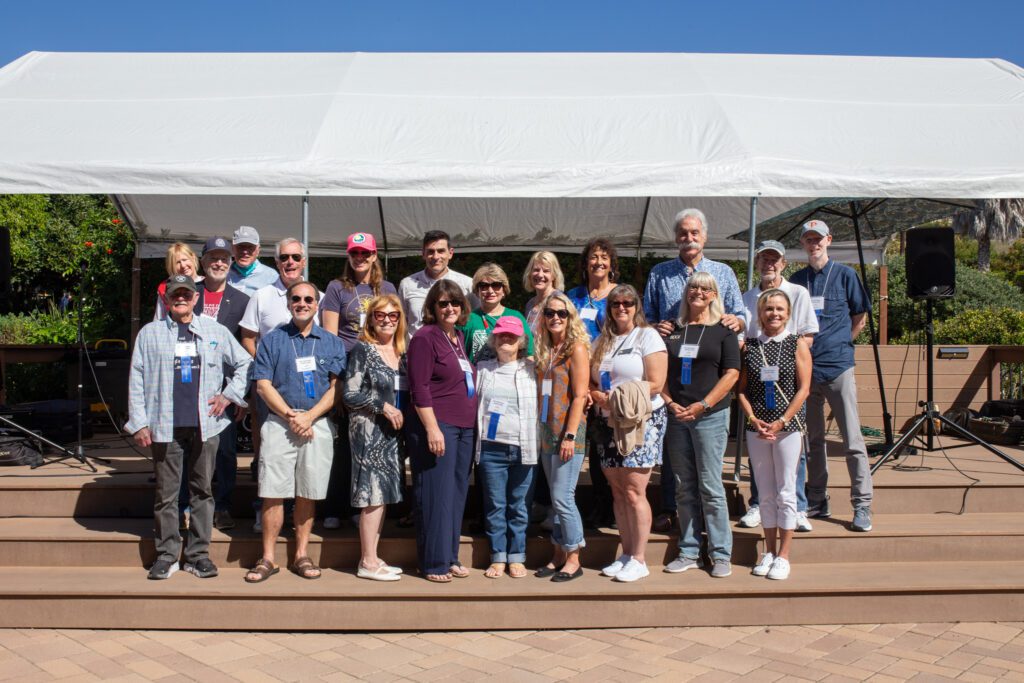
343, 386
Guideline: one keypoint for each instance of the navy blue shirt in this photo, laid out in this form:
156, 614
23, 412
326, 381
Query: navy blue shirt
844, 297
275, 361
186, 396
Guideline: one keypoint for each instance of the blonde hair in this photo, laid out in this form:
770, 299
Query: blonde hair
762, 301
715, 309
369, 334
575, 333
493, 272
172, 255
551, 261
609, 328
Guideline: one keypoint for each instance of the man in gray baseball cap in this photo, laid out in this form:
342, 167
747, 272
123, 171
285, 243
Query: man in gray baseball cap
247, 273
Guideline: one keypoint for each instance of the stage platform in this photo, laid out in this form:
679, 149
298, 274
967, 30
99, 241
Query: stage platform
74, 544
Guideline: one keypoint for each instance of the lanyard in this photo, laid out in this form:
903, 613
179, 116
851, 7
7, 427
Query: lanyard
186, 361
824, 289
497, 407
686, 365
606, 375
467, 369
769, 384
305, 366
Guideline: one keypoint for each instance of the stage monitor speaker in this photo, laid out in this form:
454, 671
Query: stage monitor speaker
5, 259
931, 263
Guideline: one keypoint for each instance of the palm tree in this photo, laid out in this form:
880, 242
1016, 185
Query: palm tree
999, 219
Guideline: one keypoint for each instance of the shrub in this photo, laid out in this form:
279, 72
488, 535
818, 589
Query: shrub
976, 326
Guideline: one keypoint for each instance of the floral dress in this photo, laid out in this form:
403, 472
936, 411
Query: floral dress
377, 471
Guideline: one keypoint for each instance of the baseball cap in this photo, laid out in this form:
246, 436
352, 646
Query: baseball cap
361, 240
509, 325
246, 235
216, 244
815, 226
770, 245
176, 282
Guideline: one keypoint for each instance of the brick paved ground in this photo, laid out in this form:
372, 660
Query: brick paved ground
888, 652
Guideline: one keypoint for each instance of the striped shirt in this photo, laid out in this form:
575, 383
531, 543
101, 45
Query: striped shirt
151, 378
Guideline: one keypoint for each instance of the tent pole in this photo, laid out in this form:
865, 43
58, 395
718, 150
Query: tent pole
886, 417
383, 232
751, 244
305, 233
638, 278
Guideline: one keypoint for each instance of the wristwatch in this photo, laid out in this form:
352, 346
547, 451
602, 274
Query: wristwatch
569, 437
705, 404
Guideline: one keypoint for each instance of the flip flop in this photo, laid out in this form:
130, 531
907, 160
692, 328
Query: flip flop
438, 578
458, 571
495, 571
517, 570
263, 570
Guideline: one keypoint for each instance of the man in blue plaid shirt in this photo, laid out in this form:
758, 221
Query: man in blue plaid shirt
177, 396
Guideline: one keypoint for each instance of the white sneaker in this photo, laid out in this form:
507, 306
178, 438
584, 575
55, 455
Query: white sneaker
257, 526
332, 522
802, 523
633, 571
763, 565
780, 569
616, 566
752, 518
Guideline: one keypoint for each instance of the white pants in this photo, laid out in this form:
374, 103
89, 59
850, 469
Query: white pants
775, 464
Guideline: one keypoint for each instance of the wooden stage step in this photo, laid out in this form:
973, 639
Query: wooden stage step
850, 592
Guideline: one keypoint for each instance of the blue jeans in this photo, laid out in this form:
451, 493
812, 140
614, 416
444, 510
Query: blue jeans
801, 479
562, 477
696, 451
506, 488
225, 470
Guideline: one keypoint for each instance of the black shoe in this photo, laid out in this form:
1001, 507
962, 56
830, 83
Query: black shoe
222, 520
562, 577
820, 511
545, 571
162, 569
204, 568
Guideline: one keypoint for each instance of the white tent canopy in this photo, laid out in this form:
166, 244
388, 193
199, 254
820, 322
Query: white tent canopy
502, 150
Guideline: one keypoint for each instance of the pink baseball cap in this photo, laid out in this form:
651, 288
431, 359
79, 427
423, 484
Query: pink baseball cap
361, 240
509, 324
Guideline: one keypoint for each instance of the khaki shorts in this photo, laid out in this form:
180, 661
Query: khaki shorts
291, 467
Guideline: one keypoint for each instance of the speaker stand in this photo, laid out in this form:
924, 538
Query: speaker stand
930, 415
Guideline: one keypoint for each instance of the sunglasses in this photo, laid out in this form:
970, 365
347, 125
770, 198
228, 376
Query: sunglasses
550, 313
449, 304
701, 288
283, 258
623, 304
496, 286
380, 316
308, 299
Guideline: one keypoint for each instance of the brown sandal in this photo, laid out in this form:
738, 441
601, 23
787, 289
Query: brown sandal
262, 571
495, 571
305, 568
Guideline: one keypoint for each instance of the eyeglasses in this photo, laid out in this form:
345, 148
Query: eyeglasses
449, 304
393, 316
497, 286
283, 258
701, 288
623, 304
308, 299
550, 313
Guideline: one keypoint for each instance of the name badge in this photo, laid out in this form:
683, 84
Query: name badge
688, 350
588, 313
497, 406
545, 387
362, 319
464, 364
818, 303
770, 373
305, 364
401, 383
185, 349
606, 364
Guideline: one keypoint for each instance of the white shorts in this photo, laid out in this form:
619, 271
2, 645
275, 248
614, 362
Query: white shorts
292, 467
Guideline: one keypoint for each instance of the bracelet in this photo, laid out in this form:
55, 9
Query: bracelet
750, 419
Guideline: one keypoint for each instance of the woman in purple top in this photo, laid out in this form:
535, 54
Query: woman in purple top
440, 430
343, 310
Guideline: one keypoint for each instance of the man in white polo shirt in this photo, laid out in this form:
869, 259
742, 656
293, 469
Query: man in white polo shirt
437, 252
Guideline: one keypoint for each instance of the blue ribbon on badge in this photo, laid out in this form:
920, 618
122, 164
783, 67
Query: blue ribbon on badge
470, 389
492, 426
769, 394
186, 369
307, 380
606, 381
544, 408
686, 371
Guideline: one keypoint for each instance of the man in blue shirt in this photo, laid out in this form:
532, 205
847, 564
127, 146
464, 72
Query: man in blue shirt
842, 307
247, 274
295, 372
664, 291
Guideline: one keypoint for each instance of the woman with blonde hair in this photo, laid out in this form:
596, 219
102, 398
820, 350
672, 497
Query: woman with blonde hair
563, 367
373, 394
180, 260
628, 350
542, 276
491, 286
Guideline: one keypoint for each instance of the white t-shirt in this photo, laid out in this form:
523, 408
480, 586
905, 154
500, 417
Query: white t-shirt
504, 389
629, 351
268, 310
801, 318
413, 292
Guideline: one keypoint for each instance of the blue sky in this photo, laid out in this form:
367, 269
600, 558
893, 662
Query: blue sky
936, 28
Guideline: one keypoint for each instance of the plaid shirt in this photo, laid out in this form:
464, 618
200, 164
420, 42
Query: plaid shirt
151, 381
526, 389
668, 279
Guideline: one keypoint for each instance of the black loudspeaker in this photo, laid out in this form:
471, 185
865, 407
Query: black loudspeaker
5, 259
931, 263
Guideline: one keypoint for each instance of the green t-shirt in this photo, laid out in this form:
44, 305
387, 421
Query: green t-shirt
479, 327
